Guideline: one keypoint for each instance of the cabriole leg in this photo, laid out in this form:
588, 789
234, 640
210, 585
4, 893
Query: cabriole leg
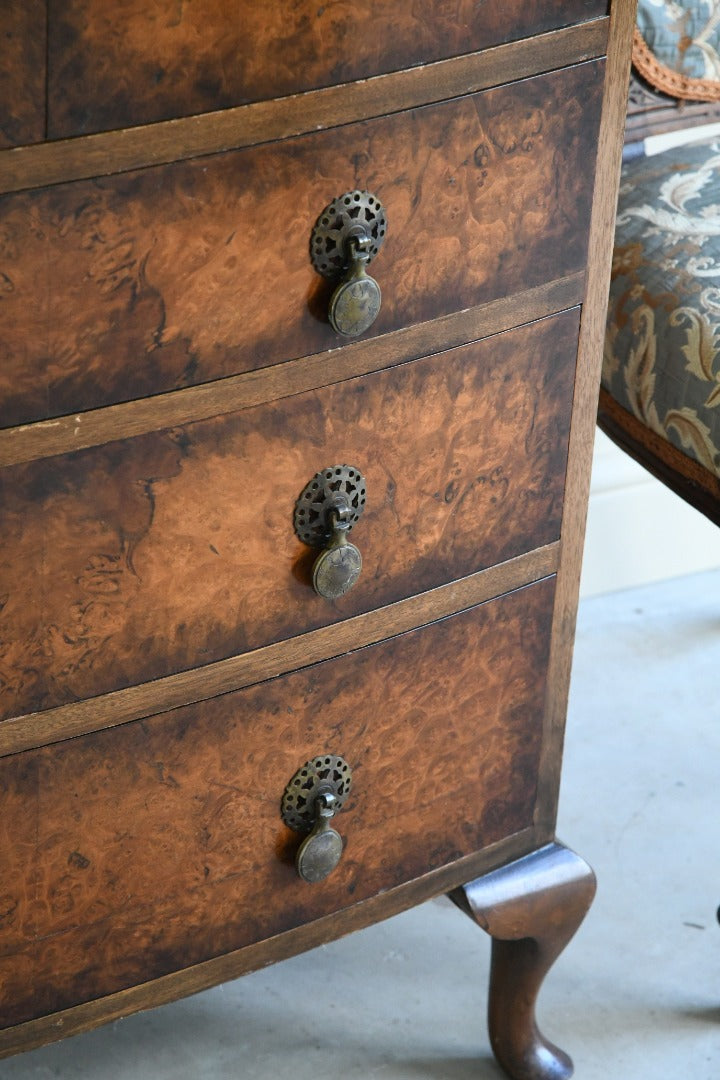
531, 909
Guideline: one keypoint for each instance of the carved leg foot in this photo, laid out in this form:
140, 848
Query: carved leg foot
531, 909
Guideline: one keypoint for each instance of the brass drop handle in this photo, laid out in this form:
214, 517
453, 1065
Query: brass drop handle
347, 236
315, 794
320, 852
355, 304
325, 513
338, 567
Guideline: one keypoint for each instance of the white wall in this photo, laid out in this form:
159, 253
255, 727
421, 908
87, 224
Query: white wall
639, 531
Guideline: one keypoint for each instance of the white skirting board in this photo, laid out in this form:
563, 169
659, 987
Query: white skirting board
638, 531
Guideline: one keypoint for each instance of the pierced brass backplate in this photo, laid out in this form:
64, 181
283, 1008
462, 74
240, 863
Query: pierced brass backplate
347, 236
326, 774
338, 488
325, 513
312, 798
356, 215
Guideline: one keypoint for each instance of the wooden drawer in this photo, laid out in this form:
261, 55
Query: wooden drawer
133, 62
143, 557
184, 273
22, 71
131, 853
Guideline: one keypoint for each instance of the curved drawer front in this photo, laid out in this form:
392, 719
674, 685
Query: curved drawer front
161, 553
132, 63
184, 273
22, 72
131, 853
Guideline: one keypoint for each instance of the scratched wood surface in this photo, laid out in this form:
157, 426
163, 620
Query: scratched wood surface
132, 560
114, 65
176, 275
131, 853
22, 72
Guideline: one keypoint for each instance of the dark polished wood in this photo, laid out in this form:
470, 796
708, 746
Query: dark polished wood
170, 384
220, 969
133, 62
531, 909
23, 45
173, 276
79, 431
198, 684
153, 555
247, 125
171, 826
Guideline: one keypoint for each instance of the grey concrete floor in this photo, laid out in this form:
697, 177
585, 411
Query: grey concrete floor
635, 996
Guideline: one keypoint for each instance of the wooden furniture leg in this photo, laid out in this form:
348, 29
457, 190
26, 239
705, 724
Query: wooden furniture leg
531, 909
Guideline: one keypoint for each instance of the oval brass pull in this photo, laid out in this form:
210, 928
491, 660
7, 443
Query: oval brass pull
325, 513
338, 567
347, 236
320, 852
315, 794
355, 304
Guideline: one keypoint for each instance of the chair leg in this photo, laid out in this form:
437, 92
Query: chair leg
531, 909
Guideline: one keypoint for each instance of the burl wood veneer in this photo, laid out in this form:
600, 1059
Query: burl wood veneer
132, 62
135, 559
169, 277
171, 825
22, 73
170, 383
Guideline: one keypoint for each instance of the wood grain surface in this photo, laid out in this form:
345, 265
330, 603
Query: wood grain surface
582, 435
106, 152
25, 732
142, 557
531, 909
63, 434
132, 62
22, 72
231, 965
145, 848
180, 274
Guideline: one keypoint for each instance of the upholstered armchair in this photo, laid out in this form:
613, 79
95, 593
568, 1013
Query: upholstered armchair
660, 396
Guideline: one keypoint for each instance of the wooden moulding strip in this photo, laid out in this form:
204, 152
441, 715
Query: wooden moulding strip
21, 733
246, 125
582, 431
221, 969
64, 434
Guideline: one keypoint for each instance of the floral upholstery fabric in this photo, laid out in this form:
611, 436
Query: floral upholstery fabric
685, 37
662, 348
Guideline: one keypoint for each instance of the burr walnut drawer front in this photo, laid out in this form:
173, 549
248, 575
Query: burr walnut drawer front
140, 850
184, 273
147, 556
132, 62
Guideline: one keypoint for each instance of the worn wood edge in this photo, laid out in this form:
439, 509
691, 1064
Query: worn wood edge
582, 430
85, 156
64, 434
674, 468
31, 730
193, 980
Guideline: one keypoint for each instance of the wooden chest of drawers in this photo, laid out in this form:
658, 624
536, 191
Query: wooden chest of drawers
170, 383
